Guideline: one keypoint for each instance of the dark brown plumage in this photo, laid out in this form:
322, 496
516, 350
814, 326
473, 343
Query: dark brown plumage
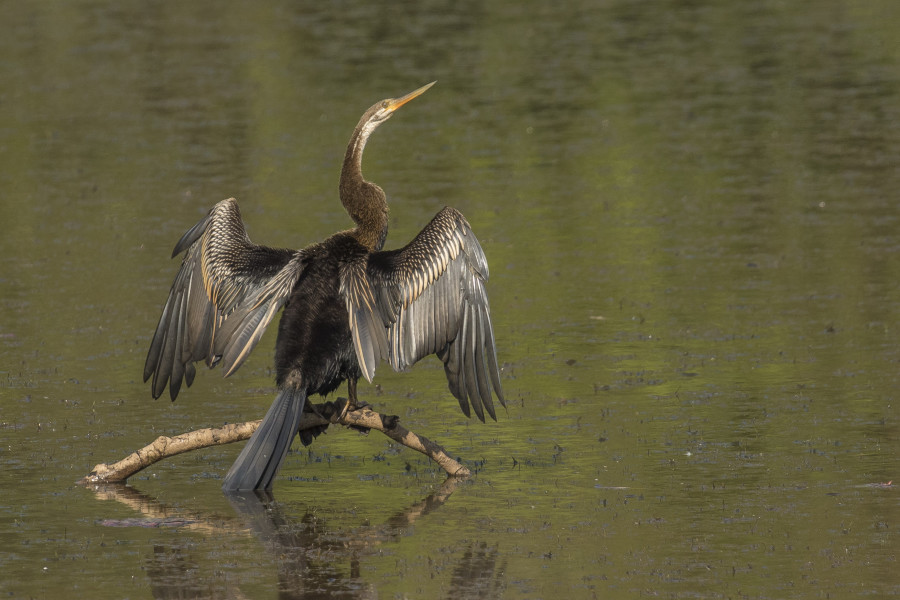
348, 305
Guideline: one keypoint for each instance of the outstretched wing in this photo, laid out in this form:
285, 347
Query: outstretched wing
428, 298
225, 294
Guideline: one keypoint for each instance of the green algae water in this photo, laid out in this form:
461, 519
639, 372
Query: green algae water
690, 212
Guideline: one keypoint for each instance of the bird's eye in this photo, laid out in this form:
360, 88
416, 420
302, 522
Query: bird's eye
384, 104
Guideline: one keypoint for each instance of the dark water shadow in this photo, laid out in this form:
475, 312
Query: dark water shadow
314, 557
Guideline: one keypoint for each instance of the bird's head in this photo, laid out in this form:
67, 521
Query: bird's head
381, 111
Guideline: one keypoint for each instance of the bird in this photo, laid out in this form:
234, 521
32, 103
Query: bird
347, 303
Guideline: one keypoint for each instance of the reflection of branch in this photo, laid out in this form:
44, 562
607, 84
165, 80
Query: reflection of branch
420, 509
165, 447
315, 557
156, 514
268, 522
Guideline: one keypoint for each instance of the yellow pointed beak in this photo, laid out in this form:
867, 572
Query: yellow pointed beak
396, 103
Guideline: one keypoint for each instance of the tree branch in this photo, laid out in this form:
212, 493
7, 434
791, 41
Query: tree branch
323, 414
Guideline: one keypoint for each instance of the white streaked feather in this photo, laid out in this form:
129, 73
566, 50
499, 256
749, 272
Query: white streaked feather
432, 300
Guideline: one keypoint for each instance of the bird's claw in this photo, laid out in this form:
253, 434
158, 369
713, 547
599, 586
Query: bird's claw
342, 406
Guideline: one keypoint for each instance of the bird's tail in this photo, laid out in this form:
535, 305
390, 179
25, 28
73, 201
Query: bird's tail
259, 461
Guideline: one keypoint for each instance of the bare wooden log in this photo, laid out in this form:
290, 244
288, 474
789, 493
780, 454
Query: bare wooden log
364, 417
164, 447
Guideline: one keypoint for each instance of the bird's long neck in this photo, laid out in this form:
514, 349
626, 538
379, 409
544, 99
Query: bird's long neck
364, 201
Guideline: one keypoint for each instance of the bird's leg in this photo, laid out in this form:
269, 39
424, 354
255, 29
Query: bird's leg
353, 402
351, 393
335, 411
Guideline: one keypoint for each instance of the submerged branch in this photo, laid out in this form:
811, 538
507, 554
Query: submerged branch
323, 414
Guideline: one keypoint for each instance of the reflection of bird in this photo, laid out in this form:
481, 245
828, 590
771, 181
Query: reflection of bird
348, 305
477, 575
319, 556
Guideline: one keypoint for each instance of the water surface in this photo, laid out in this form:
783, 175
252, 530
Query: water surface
690, 211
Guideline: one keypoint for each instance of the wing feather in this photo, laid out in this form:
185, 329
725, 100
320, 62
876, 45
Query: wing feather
225, 294
484, 388
468, 349
367, 323
178, 362
431, 299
